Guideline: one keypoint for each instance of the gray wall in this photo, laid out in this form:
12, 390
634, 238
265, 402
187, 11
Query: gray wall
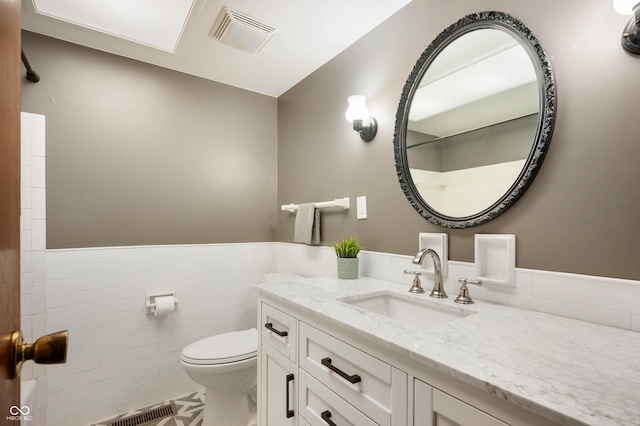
137, 154
581, 213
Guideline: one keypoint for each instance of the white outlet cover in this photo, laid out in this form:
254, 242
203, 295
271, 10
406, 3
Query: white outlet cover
361, 207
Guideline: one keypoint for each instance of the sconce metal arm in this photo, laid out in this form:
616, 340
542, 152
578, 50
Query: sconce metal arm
631, 34
367, 130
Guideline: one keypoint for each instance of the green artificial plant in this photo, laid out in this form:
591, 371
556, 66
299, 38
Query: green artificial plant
347, 247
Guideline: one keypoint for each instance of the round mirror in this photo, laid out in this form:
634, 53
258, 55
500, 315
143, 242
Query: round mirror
475, 120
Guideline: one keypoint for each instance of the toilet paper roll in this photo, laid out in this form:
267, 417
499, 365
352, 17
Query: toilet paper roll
164, 306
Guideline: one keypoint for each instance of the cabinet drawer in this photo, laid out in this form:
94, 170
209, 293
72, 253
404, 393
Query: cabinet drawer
321, 407
448, 410
372, 386
279, 330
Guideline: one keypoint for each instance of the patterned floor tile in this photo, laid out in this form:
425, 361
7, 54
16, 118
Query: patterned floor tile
189, 412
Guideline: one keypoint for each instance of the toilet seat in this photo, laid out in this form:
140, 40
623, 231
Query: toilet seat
222, 348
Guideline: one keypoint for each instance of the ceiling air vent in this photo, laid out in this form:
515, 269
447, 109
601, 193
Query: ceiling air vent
238, 30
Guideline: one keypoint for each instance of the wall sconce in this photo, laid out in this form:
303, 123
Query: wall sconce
631, 34
358, 114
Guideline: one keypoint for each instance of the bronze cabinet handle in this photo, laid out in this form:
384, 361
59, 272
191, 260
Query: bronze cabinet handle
326, 416
353, 379
289, 411
269, 326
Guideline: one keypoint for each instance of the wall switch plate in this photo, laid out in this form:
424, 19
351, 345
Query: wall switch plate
362, 207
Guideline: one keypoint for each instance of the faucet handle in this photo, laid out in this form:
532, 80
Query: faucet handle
463, 296
416, 287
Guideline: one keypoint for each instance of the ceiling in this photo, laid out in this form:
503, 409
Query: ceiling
309, 34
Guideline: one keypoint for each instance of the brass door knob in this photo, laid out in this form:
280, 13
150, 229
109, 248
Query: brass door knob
49, 349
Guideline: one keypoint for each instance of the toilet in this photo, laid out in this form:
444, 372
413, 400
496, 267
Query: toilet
226, 365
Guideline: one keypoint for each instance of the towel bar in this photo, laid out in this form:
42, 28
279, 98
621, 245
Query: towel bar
338, 202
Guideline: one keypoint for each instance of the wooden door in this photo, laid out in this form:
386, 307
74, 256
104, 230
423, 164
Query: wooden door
9, 197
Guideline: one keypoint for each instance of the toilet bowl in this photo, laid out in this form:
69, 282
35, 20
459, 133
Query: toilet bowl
226, 365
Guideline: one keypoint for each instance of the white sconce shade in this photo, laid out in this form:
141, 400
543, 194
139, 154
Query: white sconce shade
358, 114
625, 7
357, 109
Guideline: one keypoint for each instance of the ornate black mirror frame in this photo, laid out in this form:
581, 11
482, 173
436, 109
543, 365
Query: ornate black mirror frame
545, 123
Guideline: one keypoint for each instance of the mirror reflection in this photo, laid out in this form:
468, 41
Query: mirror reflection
472, 122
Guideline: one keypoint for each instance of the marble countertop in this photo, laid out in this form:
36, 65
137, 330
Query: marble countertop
570, 371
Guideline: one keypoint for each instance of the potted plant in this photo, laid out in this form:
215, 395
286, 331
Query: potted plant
347, 250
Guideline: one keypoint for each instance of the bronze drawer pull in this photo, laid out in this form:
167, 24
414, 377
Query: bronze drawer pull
353, 379
269, 326
326, 416
289, 378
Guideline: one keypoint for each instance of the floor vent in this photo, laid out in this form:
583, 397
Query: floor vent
241, 31
147, 416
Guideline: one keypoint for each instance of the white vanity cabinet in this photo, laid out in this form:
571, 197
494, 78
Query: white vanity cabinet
277, 368
320, 406
318, 374
309, 376
278, 400
360, 389
433, 407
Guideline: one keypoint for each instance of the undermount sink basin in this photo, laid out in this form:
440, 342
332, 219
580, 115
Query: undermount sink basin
421, 314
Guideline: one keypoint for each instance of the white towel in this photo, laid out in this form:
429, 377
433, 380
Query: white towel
307, 227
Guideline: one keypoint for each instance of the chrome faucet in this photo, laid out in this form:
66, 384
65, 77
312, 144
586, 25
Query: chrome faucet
438, 288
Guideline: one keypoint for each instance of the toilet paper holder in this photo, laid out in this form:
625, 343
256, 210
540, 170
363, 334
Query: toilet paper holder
150, 300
